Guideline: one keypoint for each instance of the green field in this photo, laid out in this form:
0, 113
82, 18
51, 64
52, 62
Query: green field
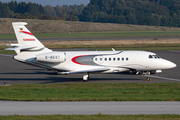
110, 34
113, 34
92, 92
93, 117
144, 47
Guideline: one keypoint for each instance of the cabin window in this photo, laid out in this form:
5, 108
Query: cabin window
127, 59
100, 59
109, 59
105, 59
122, 59
114, 59
95, 59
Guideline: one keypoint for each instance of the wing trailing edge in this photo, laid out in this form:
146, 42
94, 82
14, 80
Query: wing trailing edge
84, 71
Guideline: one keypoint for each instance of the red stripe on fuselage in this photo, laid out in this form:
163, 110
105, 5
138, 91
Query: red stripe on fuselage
27, 32
74, 59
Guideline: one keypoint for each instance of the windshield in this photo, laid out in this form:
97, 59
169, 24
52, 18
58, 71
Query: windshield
154, 56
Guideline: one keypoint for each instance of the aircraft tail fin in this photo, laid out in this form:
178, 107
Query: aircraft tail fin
26, 40
24, 36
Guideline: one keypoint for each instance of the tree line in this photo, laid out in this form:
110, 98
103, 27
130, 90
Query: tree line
71, 12
36, 11
141, 12
21, 10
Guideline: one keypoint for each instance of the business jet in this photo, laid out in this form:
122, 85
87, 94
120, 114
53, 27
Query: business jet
31, 51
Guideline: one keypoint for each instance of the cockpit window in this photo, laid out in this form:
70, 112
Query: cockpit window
154, 56
158, 56
150, 56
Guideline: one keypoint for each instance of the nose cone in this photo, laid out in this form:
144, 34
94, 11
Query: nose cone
168, 64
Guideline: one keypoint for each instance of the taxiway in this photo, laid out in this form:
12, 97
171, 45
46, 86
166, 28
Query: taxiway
88, 108
13, 72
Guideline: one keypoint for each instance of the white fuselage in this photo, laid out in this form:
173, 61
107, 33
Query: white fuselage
115, 61
31, 51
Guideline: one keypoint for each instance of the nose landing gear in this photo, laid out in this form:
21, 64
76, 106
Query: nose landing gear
148, 79
148, 76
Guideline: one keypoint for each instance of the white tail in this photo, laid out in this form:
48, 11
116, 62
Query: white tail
26, 40
24, 36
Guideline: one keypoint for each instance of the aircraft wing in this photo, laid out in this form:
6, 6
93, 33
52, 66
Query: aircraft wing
85, 71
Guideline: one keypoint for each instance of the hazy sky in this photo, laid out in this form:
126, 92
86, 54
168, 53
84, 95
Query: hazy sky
53, 2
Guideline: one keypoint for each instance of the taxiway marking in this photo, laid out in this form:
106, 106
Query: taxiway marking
165, 78
6, 55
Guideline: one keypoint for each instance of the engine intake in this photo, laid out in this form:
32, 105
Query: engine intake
53, 57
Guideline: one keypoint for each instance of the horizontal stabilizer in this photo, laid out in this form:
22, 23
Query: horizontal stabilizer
21, 47
84, 71
13, 45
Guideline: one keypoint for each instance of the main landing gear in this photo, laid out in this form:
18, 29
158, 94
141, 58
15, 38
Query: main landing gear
148, 76
86, 77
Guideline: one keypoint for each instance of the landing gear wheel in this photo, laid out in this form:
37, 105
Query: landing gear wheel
86, 77
85, 80
148, 77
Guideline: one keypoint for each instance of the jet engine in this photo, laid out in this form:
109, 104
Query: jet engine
53, 57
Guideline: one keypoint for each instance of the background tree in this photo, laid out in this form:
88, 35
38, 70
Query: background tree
4, 10
142, 12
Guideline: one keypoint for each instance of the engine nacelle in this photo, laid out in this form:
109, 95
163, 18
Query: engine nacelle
53, 57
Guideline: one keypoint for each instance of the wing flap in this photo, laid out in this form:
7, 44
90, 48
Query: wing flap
85, 71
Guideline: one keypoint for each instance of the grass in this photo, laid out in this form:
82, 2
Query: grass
7, 52
57, 26
105, 34
109, 46
7, 36
110, 34
92, 92
106, 45
143, 47
93, 117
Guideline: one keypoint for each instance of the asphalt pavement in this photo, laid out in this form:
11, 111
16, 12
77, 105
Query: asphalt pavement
88, 108
13, 72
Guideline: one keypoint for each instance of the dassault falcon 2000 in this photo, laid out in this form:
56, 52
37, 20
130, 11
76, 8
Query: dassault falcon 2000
30, 51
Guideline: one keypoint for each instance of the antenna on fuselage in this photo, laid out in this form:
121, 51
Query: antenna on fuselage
113, 49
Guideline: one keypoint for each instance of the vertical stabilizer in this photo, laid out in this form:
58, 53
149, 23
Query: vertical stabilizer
24, 36
27, 42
